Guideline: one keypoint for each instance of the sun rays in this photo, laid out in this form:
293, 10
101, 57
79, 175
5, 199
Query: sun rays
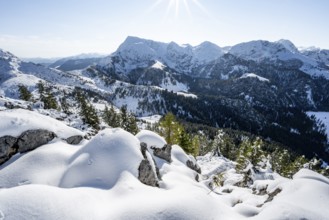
177, 7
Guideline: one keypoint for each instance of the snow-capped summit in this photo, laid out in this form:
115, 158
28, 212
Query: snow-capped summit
134, 47
282, 50
136, 52
317, 54
288, 45
260, 50
4, 54
207, 51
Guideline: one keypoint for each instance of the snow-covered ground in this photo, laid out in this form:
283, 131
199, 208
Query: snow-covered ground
253, 75
99, 179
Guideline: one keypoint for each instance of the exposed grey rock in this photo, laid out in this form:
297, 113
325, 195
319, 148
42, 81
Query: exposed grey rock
273, 194
163, 153
146, 174
31, 139
197, 178
76, 139
262, 191
193, 166
143, 150
7, 148
227, 190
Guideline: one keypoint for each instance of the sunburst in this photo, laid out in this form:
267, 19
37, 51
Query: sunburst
177, 5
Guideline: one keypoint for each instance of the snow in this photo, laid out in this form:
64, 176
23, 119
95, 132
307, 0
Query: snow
253, 75
207, 52
151, 119
309, 95
284, 50
98, 180
103, 159
190, 95
175, 86
301, 198
151, 139
158, 65
138, 52
16, 121
323, 117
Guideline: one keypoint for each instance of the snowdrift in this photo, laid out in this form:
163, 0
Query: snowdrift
14, 122
103, 179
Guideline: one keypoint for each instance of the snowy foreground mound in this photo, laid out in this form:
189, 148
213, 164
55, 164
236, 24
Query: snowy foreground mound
103, 179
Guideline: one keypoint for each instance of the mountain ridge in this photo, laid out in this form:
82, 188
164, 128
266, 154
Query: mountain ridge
265, 97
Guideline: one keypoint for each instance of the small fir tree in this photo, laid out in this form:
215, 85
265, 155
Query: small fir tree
24, 93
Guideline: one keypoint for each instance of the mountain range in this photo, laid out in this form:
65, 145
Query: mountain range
261, 87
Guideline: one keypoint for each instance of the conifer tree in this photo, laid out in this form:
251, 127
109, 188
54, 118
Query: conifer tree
174, 133
87, 111
111, 117
64, 105
195, 145
185, 142
49, 101
132, 124
124, 117
41, 87
250, 153
170, 129
24, 93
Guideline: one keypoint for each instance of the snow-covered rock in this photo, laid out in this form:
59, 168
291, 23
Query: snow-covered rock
99, 179
14, 122
151, 139
103, 159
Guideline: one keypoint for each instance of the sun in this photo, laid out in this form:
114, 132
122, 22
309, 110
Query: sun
177, 6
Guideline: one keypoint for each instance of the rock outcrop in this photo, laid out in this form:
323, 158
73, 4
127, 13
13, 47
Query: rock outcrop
31, 139
146, 172
163, 153
193, 166
27, 141
7, 148
74, 140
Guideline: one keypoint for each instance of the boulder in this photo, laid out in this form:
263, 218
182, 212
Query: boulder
193, 166
31, 139
163, 153
146, 174
76, 139
7, 148
144, 150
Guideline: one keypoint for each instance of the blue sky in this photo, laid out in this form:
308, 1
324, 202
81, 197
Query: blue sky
44, 28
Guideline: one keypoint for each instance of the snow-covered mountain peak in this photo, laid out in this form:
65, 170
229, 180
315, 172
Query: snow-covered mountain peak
136, 52
259, 50
207, 51
318, 54
282, 50
288, 45
142, 46
7, 55
311, 48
